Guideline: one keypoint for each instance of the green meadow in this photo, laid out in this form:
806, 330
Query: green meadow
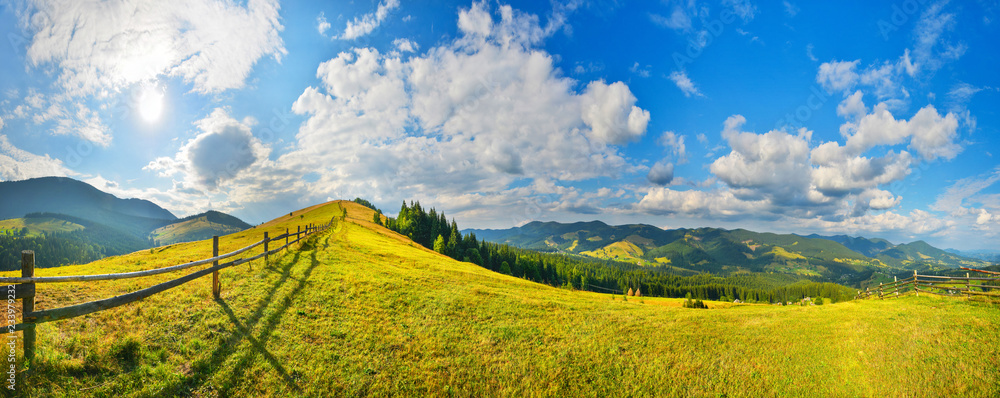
359, 310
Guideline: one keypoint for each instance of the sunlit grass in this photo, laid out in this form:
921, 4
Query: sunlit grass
38, 225
360, 310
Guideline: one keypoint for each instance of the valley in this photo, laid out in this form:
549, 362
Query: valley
361, 310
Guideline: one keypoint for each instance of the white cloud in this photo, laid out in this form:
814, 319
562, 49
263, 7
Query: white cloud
742, 8
961, 93
932, 48
675, 142
769, 165
18, 164
476, 21
809, 53
678, 20
959, 196
322, 25
682, 81
790, 9
715, 204
462, 121
111, 45
222, 151
931, 135
642, 71
367, 23
405, 45
661, 173
1, 123
854, 175
838, 75
610, 113
853, 107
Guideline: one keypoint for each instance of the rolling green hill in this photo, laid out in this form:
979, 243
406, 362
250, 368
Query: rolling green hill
726, 252
363, 311
198, 227
73, 222
37, 226
78, 199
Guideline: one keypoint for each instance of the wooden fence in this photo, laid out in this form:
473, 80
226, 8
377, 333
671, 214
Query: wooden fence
23, 288
954, 286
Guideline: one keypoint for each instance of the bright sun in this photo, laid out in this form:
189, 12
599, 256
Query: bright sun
150, 103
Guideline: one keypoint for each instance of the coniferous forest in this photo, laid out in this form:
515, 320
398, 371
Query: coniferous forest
94, 242
432, 229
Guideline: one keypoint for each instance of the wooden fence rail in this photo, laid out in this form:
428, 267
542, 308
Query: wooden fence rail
941, 285
24, 287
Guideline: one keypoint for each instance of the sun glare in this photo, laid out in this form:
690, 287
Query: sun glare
150, 103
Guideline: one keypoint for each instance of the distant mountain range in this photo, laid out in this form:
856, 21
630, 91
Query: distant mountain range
727, 252
87, 223
986, 255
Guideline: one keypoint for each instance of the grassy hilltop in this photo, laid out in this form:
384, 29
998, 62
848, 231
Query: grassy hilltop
360, 310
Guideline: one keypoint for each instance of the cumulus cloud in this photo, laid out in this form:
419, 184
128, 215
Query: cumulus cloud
224, 148
462, 121
367, 23
769, 164
838, 75
110, 45
610, 113
18, 164
321, 24
853, 107
661, 173
779, 174
931, 135
837, 177
684, 83
405, 45
719, 204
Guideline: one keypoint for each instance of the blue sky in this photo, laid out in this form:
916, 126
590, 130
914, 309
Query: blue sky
861, 118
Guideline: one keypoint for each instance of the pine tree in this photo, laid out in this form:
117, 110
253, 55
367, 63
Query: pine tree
439, 245
505, 268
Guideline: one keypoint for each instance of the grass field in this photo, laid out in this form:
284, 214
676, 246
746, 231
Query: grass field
360, 310
38, 225
182, 231
624, 251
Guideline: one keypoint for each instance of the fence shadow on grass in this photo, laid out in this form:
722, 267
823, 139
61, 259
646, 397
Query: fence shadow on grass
245, 332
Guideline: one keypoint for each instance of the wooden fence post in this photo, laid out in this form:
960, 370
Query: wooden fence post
915, 292
286, 238
28, 303
216, 286
266, 240
880, 291
895, 286
968, 286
